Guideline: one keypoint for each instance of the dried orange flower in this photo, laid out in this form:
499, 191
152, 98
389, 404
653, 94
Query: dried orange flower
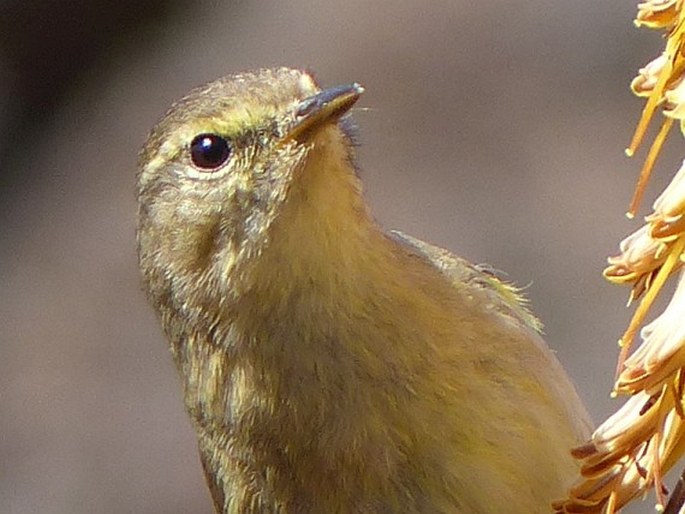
657, 14
641, 257
662, 352
660, 81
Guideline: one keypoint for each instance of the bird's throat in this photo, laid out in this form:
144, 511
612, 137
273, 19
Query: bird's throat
283, 376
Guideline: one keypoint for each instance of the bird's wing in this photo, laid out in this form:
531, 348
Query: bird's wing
507, 298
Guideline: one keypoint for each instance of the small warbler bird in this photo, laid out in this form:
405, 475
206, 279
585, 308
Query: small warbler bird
328, 366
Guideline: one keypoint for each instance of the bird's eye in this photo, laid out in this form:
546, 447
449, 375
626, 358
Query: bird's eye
209, 151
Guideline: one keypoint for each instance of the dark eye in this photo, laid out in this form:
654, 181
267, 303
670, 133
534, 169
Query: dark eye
209, 151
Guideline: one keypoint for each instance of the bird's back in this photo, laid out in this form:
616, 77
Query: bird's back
517, 419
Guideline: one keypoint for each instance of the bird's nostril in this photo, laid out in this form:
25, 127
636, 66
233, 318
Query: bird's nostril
306, 107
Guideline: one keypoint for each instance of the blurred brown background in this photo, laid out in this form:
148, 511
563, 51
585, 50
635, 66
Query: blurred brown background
493, 128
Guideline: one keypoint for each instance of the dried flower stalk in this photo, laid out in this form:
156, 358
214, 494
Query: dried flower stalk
630, 452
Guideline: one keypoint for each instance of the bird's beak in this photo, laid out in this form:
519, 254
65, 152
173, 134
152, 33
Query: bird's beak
324, 107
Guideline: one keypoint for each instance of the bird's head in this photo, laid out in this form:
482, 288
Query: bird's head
228, 161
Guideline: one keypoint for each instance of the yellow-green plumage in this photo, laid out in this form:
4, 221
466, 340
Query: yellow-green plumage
329, 367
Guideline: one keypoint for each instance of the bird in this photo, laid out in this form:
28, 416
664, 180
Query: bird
328, 365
